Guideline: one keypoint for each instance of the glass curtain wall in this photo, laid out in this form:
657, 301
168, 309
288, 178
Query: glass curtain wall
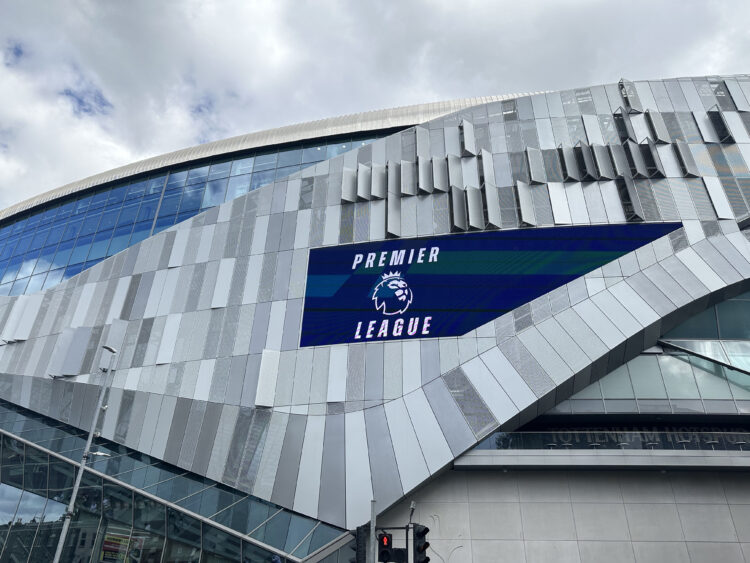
58, 241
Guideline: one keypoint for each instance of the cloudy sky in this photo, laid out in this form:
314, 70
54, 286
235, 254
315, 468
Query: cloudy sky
86, 85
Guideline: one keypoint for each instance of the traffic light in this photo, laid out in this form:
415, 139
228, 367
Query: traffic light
420, 544
360, 544
385, 547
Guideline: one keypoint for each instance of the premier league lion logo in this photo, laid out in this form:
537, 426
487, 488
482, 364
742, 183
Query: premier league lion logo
392, 295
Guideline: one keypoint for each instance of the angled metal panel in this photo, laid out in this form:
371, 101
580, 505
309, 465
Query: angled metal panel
425, 175
440, 174
570, 169
526, 203
364, 182
459, 211
659, 131
560, 209
455, 174
475, 206
379, 187
468, 139
603, 161
408, 178
718, 197
349, 185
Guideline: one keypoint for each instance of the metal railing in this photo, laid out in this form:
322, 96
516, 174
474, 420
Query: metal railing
617, 440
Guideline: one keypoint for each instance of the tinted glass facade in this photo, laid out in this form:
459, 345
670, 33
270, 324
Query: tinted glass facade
60, 240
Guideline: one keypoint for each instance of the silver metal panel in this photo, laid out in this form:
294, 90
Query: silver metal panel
559, 202
409, 178
489, 389
349, 185
364, 182
452, 422
469, 145
266, 389
526, 203
412, 467
459, 211
358, 480
386, 483
475, 206
308, 479
455, 173
440, 174
470, 172
544, 353
718, 197
563, 344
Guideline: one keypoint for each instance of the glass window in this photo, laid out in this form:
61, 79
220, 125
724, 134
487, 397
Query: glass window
12, 269
265, 162
290, 157
219, 546
734, 319
27, 266
214, 194
71, 271
335, 149
176, 179
140, 232
39, 239
36, 283
164, 223
136, 190
284, 172
117, 195
184, 535
147, 210
53, 278
701, 326
191, 199
72, 229
169, 204
22, 246
197, 175
62, 256
55, 234
646, 378
109, 219
238, 185
242, 166
100, 245
81, 250
147, 541
155, 185
128, 214
678, 377
711, 380
120, 240
219, 170
616, 384
261, 179
90, 223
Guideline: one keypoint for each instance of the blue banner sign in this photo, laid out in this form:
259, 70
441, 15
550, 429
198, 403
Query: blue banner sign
449, 285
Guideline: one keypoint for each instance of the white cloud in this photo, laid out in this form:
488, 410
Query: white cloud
179, 73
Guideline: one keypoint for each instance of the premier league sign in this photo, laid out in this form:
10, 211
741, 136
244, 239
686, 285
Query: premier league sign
449, 285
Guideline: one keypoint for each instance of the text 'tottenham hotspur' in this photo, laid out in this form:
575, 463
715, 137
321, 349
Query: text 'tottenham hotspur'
389, 328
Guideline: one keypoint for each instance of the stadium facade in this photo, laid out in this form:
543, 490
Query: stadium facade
528, 314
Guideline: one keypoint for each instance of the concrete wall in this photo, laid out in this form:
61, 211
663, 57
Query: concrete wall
588, 516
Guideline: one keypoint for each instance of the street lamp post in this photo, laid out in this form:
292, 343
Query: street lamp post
84, 458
